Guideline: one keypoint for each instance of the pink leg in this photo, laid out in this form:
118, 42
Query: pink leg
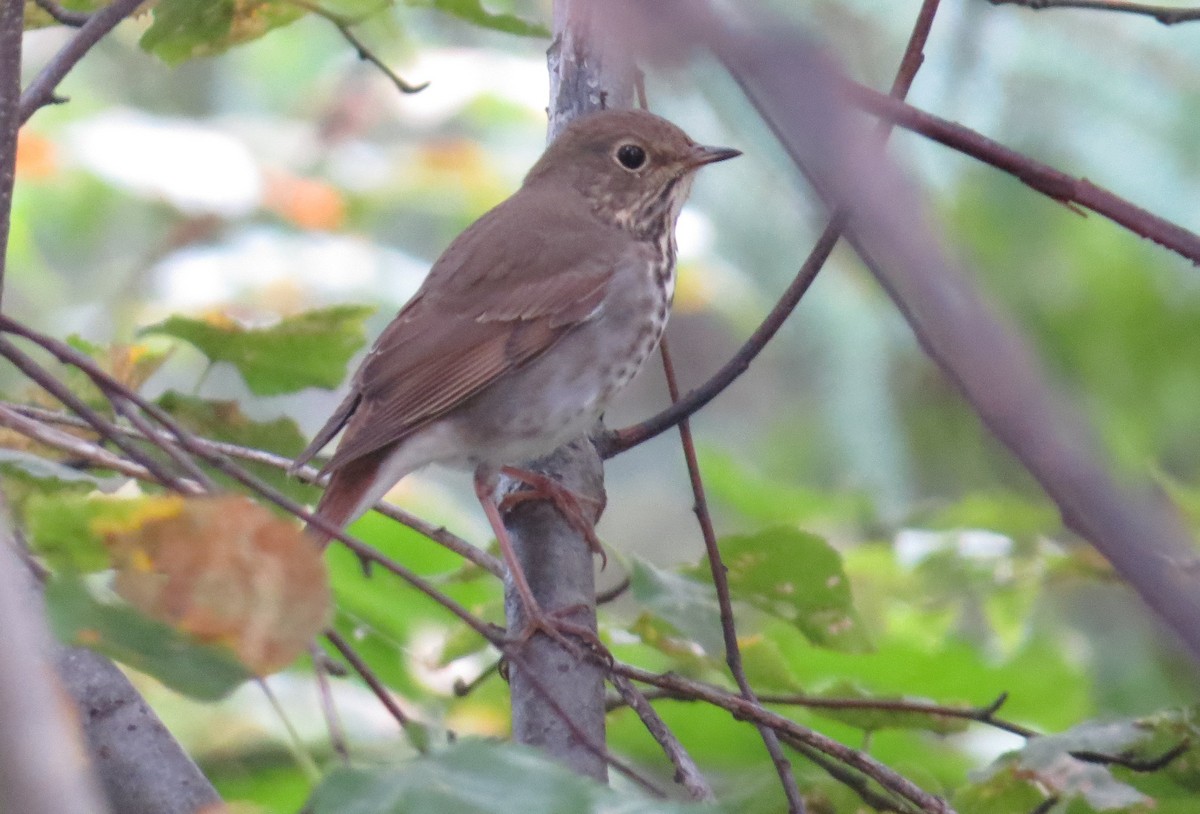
569, 504
536, 618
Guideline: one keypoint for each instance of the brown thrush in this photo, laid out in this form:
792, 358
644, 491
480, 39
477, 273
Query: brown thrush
526, 326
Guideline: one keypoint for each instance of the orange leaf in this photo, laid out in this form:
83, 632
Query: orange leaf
224, 570
304, 202
36, 156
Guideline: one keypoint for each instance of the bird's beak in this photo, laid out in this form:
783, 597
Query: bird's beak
702, 155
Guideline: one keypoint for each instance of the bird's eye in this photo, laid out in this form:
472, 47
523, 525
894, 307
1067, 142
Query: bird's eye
631, 156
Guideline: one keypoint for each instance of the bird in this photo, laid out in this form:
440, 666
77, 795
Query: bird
525, 328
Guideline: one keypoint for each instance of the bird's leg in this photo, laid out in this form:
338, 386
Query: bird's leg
568, 503
535, 618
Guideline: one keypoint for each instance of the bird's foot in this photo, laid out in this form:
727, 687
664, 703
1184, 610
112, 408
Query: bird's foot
569, 504
554, 625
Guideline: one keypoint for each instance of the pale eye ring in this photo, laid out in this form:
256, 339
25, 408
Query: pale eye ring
631, 156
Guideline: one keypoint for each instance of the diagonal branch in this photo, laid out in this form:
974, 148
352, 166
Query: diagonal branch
1051, 182
74, 19
621, 440
41, 90
743, 709
687, 773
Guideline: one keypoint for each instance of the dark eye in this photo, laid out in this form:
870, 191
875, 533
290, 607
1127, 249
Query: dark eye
631, 156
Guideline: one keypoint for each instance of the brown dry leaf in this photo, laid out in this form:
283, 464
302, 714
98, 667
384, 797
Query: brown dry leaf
224, 570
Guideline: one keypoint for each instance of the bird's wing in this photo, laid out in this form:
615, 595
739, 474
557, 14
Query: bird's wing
502, 294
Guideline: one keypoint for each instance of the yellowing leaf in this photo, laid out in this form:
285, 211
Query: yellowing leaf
223, 570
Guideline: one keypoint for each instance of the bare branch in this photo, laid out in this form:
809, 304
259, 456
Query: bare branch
75, 445
1047, 180
99, 423
733, 653
377, 687
621, 440
344, 25
308, 474
687, 773
743, 709
74, 19
1167, 15
41, 90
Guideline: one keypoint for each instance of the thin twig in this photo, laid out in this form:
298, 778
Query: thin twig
687, 773
343, 25
611, 594
1043, 178
110, 385
742, 709
983, 715
308, 474
41, 90
167, 445
377, 687
99, 423
623, 439
74, 19
1134, 764
856, 781
464, 688
733, 653
333, 722
75, 446
1167, 15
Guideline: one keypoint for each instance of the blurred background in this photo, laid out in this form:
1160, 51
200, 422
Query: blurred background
286, 175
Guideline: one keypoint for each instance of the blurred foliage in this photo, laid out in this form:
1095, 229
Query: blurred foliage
267, 206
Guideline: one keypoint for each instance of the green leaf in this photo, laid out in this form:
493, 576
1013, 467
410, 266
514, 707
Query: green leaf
225, 421
1012, 515
477, 777
1004, 791
473, 11
184, 29
205, 672
687, 605
765, 500
62, 528
795, 576
308, 350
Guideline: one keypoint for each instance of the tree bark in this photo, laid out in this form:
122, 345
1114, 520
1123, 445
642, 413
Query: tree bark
142, 768
558, 696
12, 29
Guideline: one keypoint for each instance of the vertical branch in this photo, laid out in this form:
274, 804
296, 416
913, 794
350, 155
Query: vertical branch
12, 27
733, 653
584, 76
